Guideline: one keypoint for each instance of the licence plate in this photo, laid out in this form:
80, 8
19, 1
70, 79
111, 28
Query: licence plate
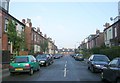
18, 69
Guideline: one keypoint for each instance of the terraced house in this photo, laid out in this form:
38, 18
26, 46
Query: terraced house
5, 16
112, 34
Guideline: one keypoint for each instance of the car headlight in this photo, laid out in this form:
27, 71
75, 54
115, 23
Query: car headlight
80, 57
42, 61
97, 65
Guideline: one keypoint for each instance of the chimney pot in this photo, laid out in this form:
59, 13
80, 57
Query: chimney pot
23, 21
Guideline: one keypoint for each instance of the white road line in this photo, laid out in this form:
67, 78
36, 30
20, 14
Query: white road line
66, 62
65, 72
65, 65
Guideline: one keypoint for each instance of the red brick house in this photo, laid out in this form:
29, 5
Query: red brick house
5, 16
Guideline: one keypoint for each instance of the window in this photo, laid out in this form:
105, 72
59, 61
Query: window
31, 59
32, 36
6, 23
110, 34
114, 63
115, 32
91, 58
105, 36
21, 59
35, 37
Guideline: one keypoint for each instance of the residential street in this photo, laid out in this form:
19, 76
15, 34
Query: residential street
63, 69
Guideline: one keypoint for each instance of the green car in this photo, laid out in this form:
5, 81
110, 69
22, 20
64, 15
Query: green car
26, 63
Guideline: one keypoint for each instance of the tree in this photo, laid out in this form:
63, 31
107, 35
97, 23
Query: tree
17, 40
11, 31
44, 46
12, 34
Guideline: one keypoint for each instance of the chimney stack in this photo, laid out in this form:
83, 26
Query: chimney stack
23, 21
30, 24
97, 31
106, 25
45, 35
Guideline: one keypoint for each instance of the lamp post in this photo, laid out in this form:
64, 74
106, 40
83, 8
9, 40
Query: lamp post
76, 49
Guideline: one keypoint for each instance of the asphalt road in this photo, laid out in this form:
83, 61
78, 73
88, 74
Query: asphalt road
63, 69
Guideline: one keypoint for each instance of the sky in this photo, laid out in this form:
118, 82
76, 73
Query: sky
67, 23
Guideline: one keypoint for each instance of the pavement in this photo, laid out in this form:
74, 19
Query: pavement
4, 73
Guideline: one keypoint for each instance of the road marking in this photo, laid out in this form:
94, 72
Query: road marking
65, 69
65, 65
66, 62
65, 72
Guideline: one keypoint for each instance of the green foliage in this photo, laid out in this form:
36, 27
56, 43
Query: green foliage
112, 52
44, 46
11, 31
95, 50
86, 53
18, 41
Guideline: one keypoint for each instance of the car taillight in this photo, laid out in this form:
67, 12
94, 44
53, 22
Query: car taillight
27, 65
10, 67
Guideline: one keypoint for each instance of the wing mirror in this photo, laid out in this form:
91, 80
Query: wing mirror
91, 60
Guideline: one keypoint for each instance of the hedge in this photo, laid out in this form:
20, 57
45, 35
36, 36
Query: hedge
112, 52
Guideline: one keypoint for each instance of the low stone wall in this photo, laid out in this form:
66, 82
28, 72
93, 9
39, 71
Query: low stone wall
23, 53
4, 66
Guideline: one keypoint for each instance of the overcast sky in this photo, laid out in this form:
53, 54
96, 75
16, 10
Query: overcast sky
68, 23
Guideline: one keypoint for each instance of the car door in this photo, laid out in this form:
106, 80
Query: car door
36, 64
32, 62
112, 70
48, 58
90, 60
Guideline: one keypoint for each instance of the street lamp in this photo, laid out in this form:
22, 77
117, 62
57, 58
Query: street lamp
76, 49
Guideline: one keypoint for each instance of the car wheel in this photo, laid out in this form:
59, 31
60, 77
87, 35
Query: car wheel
118, 80
38, 68
31, 71
92, 69
46, 64
88, 68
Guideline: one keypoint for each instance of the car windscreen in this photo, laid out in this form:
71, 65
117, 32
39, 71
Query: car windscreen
100, 58
79, 55
21, 59
41, 56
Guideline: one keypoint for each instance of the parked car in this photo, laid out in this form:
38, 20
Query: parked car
43, 59
96, 62
57, 56
111, 72
27, 63
74, 56
79, 57
51, 57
